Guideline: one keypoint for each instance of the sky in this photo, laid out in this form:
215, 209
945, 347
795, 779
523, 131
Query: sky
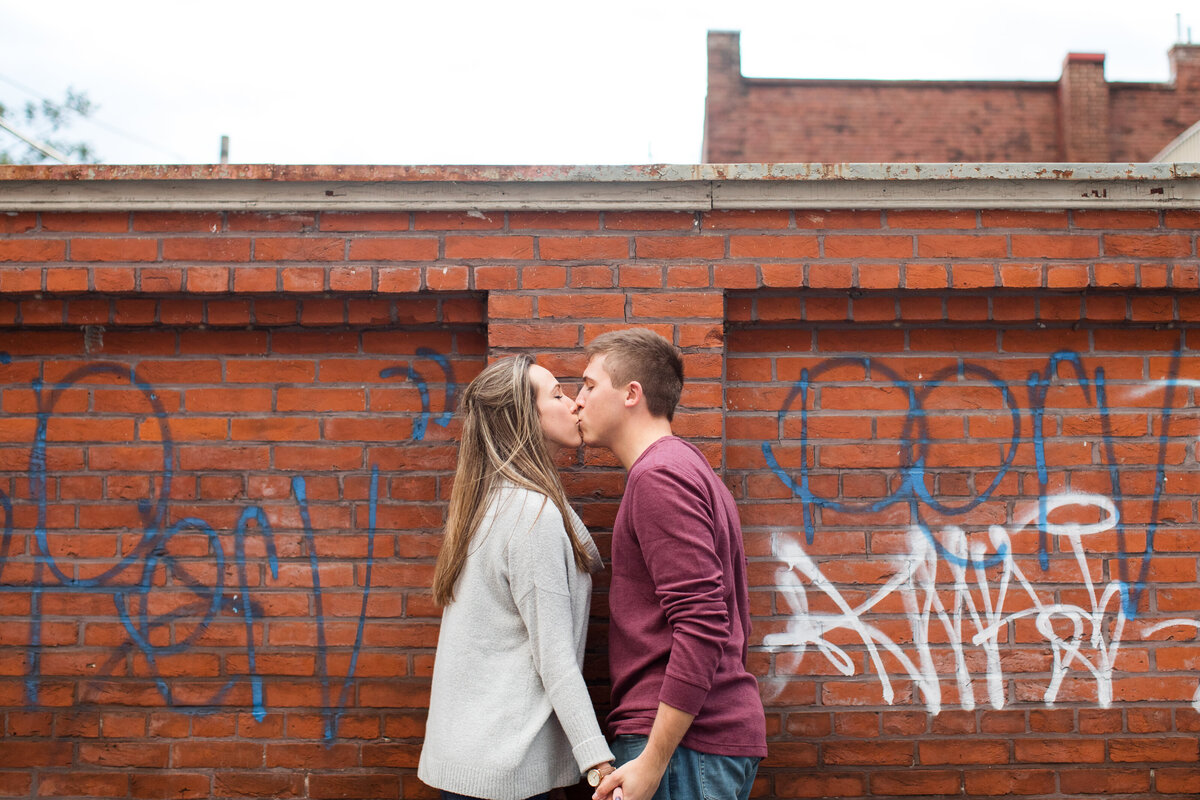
521, 82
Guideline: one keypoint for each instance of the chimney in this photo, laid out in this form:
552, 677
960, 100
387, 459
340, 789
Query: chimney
721, 115
1185, 66
1083, 108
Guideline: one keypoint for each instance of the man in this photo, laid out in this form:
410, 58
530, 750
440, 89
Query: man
687, 718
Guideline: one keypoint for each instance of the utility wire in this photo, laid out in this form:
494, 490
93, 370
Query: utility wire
98, 123
42, 148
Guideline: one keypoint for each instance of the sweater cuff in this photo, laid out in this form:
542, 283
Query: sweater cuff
687, 697
591, 752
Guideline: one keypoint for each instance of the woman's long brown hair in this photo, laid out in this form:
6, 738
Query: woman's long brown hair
501, 440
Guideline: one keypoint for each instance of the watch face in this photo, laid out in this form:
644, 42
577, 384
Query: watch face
593, 777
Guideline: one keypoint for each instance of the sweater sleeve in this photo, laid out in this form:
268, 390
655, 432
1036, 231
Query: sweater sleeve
540, 556
675, 532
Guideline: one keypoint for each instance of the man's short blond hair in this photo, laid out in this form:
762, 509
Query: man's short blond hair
640, 354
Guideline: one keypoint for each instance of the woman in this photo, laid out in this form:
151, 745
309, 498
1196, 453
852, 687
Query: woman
509, 714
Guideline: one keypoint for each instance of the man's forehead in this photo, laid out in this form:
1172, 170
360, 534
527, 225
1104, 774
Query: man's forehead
595, 367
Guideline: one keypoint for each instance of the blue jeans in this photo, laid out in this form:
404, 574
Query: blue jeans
692, 775
452, 796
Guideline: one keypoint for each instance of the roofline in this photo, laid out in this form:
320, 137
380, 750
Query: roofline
903, 83
695, 187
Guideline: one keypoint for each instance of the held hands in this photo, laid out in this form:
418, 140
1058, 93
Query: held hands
637, 780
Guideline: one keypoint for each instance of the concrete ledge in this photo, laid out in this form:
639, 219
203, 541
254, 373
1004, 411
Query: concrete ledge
699, 187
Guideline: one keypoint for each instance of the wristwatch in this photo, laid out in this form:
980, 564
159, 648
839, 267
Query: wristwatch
594, 775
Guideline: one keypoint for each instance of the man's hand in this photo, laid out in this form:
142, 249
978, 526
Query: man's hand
637, 780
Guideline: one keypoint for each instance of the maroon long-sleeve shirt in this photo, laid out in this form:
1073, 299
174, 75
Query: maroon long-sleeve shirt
679, 605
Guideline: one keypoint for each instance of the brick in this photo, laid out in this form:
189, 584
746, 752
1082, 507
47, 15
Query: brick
994, 781
9, 284
741, 219
351, 279
86, 222
175, 785
964, 246
447, 278
1094, 219
394, 249
554, 220
489, 247
735, 276
873, 246
32, 250
670, 247
255, 279
17, 222
1021, 276
1059, 751
763, 246
878, 276
399, 279
492, 278
302, 279
685, 276
178, 221
830, 276
1051, 246
1154, 750
593, 277
916, 782
206, 249
580, 248
114, 279
1115, 275
642, 276
543, 277
208, 279
582, 306
837, 220
458, 221
1159, 246
365, 221
677, 305
649, 220
1067, 276
931, 220
1174, 780
271, 221
298, 249
1046, 220
926, 276
67, 279
782, 275
113, 250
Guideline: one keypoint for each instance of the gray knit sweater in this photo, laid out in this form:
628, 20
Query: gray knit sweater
509, 714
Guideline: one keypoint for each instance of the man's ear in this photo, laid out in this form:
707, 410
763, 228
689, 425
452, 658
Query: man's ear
634, 394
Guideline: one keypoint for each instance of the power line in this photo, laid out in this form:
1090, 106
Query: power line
98, 123
42, 148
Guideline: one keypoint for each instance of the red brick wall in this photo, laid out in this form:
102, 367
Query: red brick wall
1078, 118
962, 442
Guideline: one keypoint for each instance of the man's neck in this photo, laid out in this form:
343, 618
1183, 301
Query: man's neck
640, 439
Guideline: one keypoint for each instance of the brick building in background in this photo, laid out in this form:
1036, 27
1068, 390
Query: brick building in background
956, 405
1080, 117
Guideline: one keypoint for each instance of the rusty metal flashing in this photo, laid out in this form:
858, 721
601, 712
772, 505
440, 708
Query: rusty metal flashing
698, 187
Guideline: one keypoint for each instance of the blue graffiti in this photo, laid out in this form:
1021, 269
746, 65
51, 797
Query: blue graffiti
131, 598
422, 422
912, 489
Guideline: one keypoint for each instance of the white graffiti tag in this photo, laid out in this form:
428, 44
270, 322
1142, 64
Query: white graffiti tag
982, 587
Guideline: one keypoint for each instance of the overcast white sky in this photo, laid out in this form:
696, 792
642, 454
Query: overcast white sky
522, 82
